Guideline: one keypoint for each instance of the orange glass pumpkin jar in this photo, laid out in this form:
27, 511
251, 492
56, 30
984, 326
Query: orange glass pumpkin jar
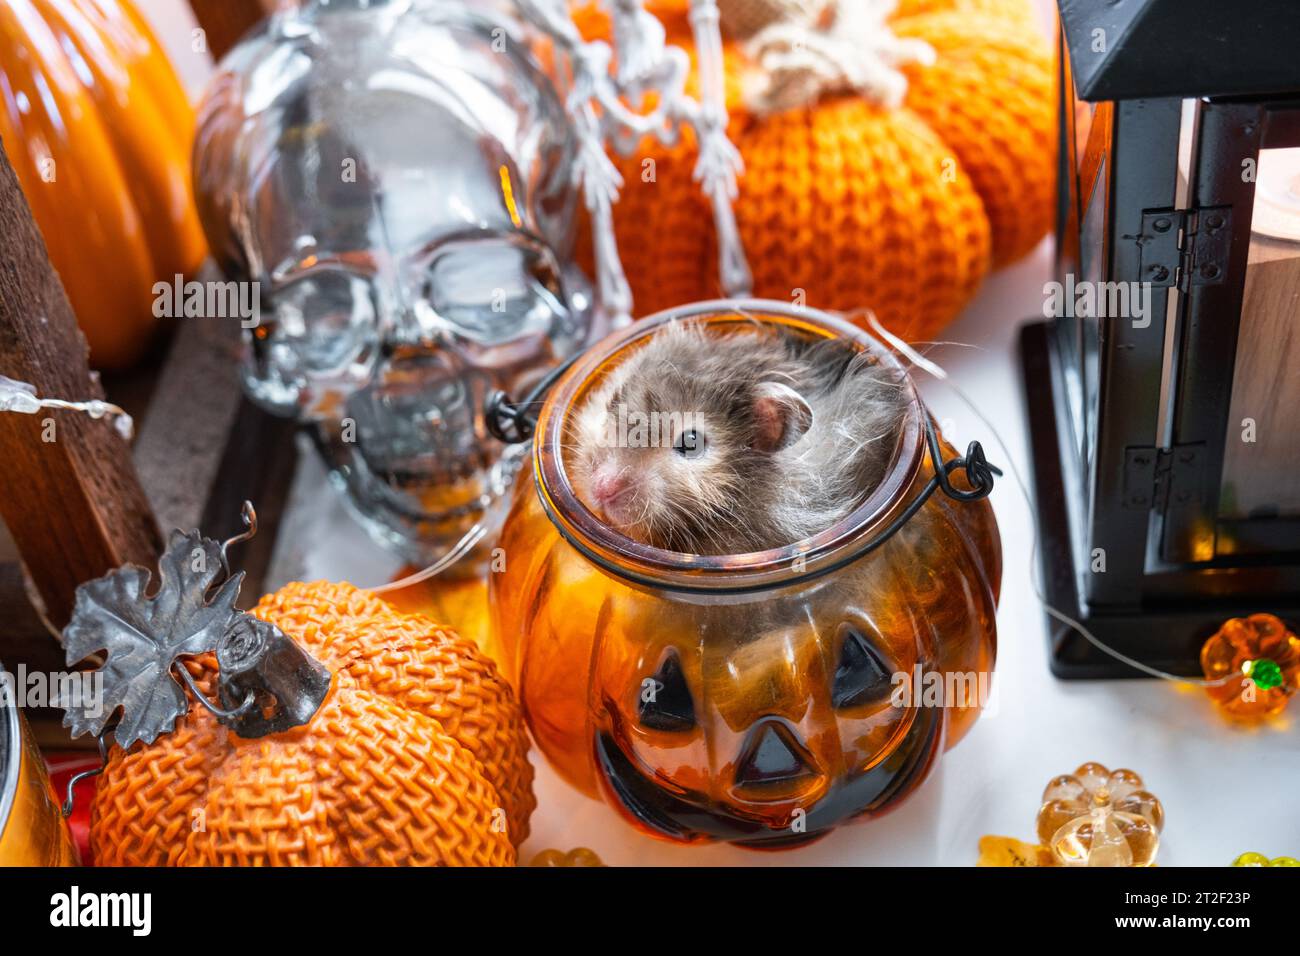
32, 832
759, 698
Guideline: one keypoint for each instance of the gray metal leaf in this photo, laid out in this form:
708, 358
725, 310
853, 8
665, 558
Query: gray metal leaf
143, 636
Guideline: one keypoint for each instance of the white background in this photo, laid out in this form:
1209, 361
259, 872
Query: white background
1225, 790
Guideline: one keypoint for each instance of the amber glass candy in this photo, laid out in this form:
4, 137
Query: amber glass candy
772, 720
1099, 817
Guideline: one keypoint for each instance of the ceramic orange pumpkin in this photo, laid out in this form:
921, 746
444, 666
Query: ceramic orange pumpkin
846, 203
416, 756
98, 129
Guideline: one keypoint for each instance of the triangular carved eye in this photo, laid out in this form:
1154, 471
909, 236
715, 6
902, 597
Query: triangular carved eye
771, 755
861, 676
665, 699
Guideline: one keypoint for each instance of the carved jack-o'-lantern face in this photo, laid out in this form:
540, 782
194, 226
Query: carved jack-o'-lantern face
760, 699
767, 738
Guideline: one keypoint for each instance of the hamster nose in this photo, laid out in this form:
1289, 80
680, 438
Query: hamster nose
608, 486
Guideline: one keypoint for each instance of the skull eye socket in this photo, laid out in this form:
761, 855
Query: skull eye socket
321, 320
861, 677
665, 700
490, 288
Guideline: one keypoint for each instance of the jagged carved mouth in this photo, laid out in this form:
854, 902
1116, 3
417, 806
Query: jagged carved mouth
693, 816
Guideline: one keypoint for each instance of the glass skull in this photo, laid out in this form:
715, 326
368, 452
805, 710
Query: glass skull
396, 177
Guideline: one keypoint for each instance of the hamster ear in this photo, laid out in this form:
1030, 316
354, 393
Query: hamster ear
781, 415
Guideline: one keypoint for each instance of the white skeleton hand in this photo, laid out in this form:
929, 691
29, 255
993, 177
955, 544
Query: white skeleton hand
639, 41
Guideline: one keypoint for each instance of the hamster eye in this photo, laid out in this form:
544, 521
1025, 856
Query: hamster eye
690, 443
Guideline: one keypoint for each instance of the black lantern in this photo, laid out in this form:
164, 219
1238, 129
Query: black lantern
1164, 390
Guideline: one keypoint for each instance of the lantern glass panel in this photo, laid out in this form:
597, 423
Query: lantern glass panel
1262, 445
1085, 261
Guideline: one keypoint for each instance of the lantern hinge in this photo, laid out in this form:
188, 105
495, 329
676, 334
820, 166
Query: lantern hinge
1162, 479
1184, 248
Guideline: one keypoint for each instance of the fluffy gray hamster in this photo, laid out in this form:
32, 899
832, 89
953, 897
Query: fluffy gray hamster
728, 442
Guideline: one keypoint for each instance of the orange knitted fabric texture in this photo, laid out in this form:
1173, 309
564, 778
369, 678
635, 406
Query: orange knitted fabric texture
417, 756
901, 210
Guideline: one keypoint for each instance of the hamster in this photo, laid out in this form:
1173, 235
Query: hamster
716, 443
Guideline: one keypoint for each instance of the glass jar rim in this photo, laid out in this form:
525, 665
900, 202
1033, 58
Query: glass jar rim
643, 564
11, 755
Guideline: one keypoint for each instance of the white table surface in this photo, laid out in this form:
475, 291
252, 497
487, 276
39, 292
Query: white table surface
1225, 790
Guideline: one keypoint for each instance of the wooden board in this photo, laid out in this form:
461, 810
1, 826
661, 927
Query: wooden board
73, 504
79, 505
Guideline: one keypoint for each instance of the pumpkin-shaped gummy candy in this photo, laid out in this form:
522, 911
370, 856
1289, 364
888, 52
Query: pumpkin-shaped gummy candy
1096, 817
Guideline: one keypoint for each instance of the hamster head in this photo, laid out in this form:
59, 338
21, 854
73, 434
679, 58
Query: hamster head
675, 448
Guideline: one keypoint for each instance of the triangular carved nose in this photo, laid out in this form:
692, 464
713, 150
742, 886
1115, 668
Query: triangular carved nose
772, 754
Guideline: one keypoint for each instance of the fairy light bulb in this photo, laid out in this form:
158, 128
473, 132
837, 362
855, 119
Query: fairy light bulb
1266, 673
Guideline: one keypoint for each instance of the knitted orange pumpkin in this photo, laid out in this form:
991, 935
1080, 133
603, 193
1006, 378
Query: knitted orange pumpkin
416, 756
900, 209
98, 129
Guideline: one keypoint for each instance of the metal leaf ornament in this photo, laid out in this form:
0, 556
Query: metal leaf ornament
144, 636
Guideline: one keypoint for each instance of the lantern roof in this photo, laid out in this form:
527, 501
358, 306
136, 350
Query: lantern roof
1182, 48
